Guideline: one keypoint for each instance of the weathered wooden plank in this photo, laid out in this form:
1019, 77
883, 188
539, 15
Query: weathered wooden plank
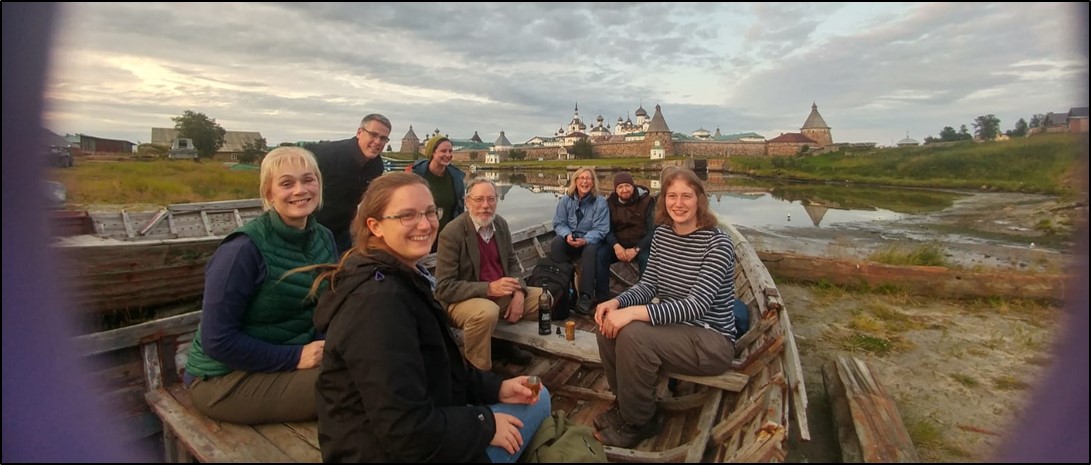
585, 349
196, 436
756, 270
215, 205
793, 369
205, 223
158, 218
704, 423
869, 427
130, 336
291, 441
128, 224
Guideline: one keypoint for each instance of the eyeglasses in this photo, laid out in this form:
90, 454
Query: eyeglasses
375, 135
412, 218
483, 199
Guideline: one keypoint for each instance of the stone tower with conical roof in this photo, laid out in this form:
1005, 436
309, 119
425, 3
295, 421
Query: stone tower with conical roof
502, 144
815, 128
658, 135
410, 142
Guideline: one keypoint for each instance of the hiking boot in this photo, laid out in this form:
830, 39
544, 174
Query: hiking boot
625, 435
584, 306
608, 418
509, 352
519, 356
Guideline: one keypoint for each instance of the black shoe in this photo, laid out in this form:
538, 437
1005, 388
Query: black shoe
506, 351
585, 307
519, 356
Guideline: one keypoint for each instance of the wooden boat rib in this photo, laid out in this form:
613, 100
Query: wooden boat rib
743, 415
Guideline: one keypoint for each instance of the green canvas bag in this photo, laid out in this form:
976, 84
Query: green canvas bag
561, 441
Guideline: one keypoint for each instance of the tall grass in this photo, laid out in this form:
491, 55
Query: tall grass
930, 254
158, 182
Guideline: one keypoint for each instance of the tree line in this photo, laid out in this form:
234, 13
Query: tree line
987, 127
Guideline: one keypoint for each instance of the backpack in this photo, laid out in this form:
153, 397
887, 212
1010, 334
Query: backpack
557, 279
561, 441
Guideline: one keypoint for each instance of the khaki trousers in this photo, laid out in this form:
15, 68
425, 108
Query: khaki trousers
634, 360
477, 318
254, 398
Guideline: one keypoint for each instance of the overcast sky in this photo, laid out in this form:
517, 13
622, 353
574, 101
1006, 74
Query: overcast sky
312, 71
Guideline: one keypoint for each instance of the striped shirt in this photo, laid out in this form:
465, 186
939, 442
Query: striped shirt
694, 278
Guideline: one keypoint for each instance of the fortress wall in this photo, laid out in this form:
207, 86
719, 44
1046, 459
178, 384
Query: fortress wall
710, 149
785, 148
622, 149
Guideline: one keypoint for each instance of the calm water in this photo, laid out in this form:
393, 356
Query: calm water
531, 198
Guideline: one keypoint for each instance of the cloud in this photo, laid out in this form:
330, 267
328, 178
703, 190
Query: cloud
311, 71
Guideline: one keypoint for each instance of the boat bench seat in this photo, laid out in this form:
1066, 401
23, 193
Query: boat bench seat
189, 434
585, 348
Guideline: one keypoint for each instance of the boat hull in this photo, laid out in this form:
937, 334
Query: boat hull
743, 415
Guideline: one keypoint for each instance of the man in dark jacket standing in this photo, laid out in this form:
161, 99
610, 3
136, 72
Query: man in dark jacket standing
632, 223
348, 166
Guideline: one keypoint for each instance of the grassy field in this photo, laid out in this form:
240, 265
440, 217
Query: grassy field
1049, 164
157, 182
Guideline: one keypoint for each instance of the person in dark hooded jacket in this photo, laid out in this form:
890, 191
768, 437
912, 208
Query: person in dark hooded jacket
394, 386
632, 225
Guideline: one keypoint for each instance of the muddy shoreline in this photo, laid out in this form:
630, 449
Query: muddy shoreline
1005, 231
960, 371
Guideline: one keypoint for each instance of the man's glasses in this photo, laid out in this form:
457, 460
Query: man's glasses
483, 199
412, 218
375, 135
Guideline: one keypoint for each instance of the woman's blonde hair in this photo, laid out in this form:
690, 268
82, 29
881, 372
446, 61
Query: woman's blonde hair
705, 217
276, 160
594, 181
376, 199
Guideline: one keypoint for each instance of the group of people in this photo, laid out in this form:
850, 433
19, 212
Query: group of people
319, 308
599, 231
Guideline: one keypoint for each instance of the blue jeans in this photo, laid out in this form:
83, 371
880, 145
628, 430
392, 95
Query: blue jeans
532, 417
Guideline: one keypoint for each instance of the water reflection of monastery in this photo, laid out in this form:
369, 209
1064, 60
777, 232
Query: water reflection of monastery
718, 185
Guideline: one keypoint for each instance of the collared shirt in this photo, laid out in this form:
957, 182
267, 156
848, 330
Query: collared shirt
486, 231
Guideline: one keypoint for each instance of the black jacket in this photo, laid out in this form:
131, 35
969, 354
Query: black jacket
632, 223
345, 176
394, 387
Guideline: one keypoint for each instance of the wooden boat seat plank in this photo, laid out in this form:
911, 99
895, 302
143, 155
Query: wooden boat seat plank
584, 348
292, 441
188, 432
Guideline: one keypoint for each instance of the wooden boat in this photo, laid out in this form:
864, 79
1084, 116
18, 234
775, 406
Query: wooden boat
136, 260
742, 415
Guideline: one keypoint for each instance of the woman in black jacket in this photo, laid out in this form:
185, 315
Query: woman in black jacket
394, 386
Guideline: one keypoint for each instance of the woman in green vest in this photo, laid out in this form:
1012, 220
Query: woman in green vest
255, 357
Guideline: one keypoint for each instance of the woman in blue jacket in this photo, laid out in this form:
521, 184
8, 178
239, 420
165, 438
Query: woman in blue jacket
581, 222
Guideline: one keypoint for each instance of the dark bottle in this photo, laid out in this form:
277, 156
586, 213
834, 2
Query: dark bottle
545, 303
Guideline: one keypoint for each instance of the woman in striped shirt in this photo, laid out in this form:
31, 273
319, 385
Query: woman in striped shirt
688, 328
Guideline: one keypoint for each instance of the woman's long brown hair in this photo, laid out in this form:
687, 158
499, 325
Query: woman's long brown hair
373, 205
